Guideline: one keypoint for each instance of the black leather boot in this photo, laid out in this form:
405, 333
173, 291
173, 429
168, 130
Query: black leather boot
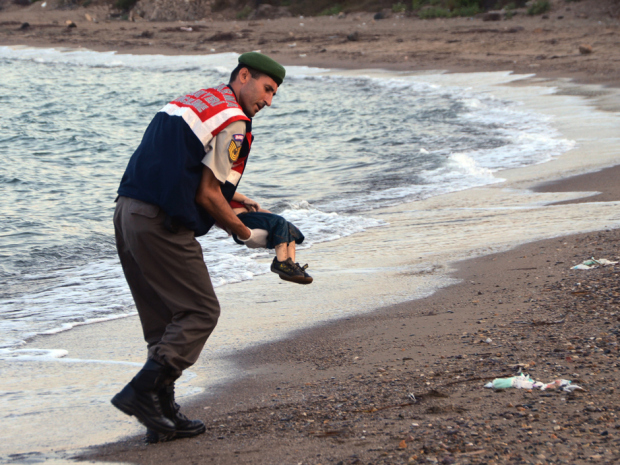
140, 398
185, 428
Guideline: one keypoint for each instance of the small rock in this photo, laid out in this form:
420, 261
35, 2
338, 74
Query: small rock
88, 17
585, 49
383, 14
25, 26
222, 37
70, 23
492, 16
354, 36
341, 15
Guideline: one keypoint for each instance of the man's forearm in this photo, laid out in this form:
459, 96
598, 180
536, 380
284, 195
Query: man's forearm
217, 206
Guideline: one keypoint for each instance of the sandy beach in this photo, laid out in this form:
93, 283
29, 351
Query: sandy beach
404, 383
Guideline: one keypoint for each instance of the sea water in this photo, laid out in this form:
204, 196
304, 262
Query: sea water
329, 150
341, 154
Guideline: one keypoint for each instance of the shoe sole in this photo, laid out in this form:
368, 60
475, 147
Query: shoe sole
293, 279
128, 409
153, 437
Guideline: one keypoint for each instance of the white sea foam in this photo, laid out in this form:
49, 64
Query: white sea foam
221, 63
97, 292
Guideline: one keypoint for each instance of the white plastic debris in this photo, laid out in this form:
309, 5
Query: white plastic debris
593, 263
526, 382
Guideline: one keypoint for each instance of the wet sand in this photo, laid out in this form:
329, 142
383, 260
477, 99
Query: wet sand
340, 393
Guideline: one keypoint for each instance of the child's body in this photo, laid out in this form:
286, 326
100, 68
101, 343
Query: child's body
281, 235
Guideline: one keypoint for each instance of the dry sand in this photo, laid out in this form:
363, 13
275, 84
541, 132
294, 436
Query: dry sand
340, 393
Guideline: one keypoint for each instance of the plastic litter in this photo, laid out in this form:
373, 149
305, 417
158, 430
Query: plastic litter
526, 382
593, 263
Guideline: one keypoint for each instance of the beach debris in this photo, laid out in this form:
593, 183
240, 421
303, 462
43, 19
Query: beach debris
186, 29
25, 26
70, 23
88, 17
354, 36
526, 382
585, 49
43, 5
593, 263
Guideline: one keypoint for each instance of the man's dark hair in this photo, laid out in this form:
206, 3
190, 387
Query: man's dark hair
235, 72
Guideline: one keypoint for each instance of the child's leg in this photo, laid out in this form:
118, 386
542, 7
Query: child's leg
284, 251
291, 250
281, 252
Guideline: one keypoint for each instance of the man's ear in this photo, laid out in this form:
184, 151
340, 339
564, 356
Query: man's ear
244, 75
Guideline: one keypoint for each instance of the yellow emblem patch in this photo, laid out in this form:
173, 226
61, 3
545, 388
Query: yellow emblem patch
233, 151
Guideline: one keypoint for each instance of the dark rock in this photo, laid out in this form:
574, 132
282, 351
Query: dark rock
492, 16
147, 34
266, 11
383, 14
222, 37
25, 26
70, 23
354, 36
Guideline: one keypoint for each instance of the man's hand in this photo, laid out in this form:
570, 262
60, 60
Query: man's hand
209, 196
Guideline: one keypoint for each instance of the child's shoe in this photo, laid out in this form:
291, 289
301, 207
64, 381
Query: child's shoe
289, 271
306, 275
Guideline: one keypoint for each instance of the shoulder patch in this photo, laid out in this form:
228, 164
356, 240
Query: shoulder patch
234, 148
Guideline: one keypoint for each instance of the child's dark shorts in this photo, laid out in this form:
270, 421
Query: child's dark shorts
279, 230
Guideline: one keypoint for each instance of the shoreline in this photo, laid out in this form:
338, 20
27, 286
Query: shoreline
327, 395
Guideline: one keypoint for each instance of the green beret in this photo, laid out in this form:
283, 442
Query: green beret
264, 64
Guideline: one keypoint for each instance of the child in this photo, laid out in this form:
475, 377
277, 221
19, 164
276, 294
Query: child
280, 235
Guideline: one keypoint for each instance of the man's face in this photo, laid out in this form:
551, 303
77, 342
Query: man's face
254, 94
